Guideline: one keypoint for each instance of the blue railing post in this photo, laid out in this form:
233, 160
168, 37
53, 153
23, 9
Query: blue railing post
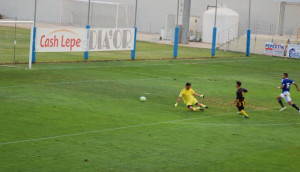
33, 45
134, 45
176, 39
214, 40
86, 53
248, 42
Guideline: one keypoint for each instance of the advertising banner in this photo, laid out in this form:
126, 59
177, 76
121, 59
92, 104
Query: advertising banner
111, 39
293, 51
77, 40
60, 40
275, 49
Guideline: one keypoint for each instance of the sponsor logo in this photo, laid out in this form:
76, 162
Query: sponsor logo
275, 46
274, 49
61, 38
111, 39
294, 53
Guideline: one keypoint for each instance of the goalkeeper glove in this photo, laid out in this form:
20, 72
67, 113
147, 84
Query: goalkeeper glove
176, 104
202, 96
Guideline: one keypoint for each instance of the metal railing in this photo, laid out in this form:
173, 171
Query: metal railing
237, 30
228, 34
264, 28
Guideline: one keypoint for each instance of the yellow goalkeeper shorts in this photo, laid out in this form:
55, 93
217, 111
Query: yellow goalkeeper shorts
191, 102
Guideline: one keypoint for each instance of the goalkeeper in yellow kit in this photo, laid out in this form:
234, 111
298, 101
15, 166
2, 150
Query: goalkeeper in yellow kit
187, 94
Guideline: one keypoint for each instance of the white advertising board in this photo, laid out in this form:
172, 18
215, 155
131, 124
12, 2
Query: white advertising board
275, 49
293, 51
79, 40
111, 39
60, 40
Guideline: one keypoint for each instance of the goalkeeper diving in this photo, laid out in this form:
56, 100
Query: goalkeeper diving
187, 94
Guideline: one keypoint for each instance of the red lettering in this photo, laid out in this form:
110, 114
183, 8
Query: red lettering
62, 41
41, 43
67, 42
55, 41
51, 42
73, 42
78, 42
47, 42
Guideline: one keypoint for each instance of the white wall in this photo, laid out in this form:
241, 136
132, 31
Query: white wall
48, 10
21, 9
151, 13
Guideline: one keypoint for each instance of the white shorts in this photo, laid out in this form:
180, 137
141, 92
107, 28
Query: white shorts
286, 96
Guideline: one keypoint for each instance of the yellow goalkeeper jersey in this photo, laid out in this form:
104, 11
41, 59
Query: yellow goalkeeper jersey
188, 96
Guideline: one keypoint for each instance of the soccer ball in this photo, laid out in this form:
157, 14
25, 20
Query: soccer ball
143, 99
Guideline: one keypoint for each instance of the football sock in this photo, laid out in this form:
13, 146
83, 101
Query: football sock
196, 108
280, 102
296, 107
202, 105
244, 113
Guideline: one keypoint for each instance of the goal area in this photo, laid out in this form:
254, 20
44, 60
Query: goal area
102, 14
16, 38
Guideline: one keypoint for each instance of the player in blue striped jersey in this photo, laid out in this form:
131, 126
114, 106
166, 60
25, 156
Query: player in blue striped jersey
286, 84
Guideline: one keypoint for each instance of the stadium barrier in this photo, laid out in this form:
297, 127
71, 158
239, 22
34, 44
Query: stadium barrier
85, 40
293, 51
282, 50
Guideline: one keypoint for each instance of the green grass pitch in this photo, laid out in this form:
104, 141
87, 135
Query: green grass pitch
87, 117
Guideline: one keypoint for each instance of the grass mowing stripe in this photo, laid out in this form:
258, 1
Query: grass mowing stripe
109, 80
145, 65
244, 125
117, 128
146, 74
88, 81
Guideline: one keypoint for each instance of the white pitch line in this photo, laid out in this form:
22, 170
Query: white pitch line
8, 66
244, 125
114, 129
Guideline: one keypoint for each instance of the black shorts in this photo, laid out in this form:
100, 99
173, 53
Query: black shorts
188, 106
241, 105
